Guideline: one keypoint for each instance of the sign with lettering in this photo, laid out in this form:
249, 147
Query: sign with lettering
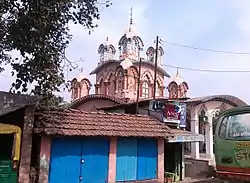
172, 113
186, 138
183, 115
242, 156
243, 145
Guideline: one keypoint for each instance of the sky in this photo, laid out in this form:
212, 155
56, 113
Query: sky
219, 25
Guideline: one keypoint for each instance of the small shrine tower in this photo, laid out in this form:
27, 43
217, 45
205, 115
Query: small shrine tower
177, 88
130, 44
106, 51
80, 86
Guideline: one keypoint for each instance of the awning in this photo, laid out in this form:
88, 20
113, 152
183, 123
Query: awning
184, 136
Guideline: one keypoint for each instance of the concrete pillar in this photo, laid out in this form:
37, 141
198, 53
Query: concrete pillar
44, 159
195, 153
209, 137
112, 160
25, 159
182, 177
160, 167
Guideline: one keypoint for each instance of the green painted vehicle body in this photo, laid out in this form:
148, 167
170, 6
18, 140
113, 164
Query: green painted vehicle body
7, 175
232, 144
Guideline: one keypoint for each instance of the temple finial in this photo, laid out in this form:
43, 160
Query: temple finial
131, 16
177, 72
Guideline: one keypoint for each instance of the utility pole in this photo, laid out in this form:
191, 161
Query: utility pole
138, 87
156, 57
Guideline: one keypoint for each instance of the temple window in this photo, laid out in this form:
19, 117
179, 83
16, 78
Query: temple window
145, 89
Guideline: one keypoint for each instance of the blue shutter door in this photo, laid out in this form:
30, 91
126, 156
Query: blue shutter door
66, 156
65, 160
147, 159
126, 162
95, 154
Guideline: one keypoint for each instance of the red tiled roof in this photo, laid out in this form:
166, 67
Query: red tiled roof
73, 122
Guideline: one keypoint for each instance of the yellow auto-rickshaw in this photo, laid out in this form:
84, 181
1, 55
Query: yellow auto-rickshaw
10, 145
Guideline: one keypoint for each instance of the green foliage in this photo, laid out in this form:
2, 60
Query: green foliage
39, 31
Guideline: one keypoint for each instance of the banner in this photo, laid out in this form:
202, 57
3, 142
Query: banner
171, 113
183, 118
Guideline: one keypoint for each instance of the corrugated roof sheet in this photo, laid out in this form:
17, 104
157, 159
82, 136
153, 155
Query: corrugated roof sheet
73, 122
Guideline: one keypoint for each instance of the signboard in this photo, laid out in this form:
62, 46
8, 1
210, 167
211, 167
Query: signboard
155, 105
172, 112
186, 138
183, 115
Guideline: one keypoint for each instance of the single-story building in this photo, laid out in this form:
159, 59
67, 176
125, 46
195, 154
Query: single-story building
99, 147
17, 119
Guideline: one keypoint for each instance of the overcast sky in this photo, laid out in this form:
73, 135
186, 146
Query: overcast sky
219, 25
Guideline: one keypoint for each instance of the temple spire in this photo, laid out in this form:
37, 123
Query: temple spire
131, 16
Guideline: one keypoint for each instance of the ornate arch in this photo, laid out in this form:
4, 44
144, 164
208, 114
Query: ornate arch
159, 80
119, 78
202, 108
101, 48
100, 80
112, 48
110, 73
125, 39
87, 82
185, 85
150, 50
133, 71
118, 70
148, 75
74, 81
161, 51
223, 107
216, 112
172, 85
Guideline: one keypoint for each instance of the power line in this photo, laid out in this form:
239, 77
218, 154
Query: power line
206, 70
205, 49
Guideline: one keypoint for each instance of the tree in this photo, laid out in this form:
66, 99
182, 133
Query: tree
39, 31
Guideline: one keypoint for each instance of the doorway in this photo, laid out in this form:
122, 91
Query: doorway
173, 160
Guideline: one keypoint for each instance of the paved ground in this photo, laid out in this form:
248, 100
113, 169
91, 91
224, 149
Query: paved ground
209, 180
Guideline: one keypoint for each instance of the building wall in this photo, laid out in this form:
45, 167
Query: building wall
210, 109
45, 160
106, 77
92, 105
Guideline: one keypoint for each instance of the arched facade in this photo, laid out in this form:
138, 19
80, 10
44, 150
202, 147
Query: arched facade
203, 118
